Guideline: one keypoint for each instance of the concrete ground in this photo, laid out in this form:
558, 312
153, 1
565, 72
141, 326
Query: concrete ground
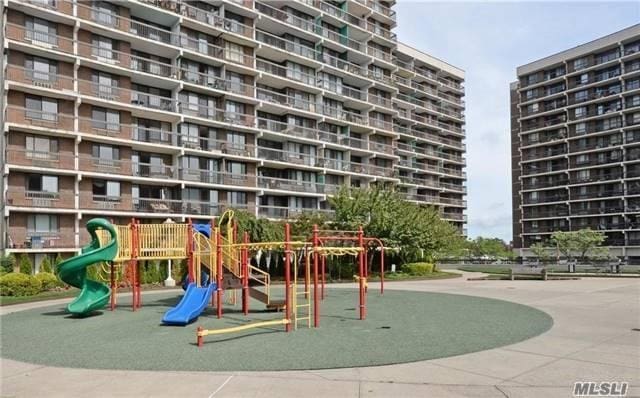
592, 340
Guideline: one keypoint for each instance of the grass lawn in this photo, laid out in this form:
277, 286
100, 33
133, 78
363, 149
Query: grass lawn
399, 276
11, 300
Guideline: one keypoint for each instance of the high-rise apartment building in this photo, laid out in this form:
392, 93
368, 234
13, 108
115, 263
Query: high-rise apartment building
159, 109
575, 134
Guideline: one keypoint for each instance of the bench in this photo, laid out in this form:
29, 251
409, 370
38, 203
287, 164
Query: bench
542, 271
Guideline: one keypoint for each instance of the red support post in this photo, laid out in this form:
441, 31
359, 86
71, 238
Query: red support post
245, 274
316, 241
287, 276
324, 258
219, 273
363, 310
199, 338
381, 269
133, 264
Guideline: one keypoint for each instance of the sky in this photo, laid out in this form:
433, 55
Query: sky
489, 40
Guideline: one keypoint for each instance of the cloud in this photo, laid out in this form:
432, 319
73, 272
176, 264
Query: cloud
489, 40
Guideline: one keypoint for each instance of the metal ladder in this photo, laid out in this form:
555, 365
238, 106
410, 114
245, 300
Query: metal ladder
301, 297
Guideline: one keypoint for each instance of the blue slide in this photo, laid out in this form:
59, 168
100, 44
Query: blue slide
194, 301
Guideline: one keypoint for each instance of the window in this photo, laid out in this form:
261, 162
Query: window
300, 72
236, 168
102, 47
581, 128
330, 82
237, 198
234, 112
533, 108
580, 63
582, 159
42, 223
236, 82
110, 190
41, 147
234, 52
236, 140
105, 13
106, 155
41, 32
104, 85
105, 119
580, 96
582, 79
42, 183
580, 112
41, 69
41, 108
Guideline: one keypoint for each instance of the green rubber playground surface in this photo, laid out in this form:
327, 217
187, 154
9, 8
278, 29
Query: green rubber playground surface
401, 326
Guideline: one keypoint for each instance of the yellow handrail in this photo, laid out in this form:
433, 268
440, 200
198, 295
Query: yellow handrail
207, 332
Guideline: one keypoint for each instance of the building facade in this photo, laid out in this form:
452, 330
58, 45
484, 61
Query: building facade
158, 109
575, 135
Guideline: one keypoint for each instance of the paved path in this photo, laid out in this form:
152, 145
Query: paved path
591, 340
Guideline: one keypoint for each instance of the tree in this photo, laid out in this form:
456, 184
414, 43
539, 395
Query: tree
541, 251
7, 263
581, 244
45, 265
489, 247
416, 232
25, 265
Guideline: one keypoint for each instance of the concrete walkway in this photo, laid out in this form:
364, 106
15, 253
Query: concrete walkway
591, 340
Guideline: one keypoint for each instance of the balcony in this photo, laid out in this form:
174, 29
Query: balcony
21, 197
286, 46
17, 155
93, 164
285, 73
217, 177
215, 20
39, 79
290, 185
288, 129
105, 128
343, 115
122, 95
381, 147
105, 55
285, 100
63, 7
217, 115
151, 170
176, 206
216, 83
284, 213
103, 202
31, 239
382, 101
377, 53
40, 119
137, 28
287, 157
45, 40
218, 53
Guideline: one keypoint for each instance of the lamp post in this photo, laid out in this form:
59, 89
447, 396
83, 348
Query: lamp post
169, 281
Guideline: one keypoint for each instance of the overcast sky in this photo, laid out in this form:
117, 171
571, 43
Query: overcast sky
489, 40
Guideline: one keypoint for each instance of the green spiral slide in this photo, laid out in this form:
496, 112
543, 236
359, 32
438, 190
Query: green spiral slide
93, 295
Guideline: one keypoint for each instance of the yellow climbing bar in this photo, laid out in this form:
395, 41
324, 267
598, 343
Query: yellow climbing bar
207, 332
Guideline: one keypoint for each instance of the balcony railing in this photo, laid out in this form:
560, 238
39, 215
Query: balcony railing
94, 164
287, 156
39, 78
19, 196
281, 212
216, 83
215, 20
285, 100
41, 39
286, 45
17, 155
152, 170
284, 72
36, 118
290, 185
218, 115
203, 47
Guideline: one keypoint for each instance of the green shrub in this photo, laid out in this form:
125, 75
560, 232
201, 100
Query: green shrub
18, 284
150, 273
7, 263
45, 265
418, 269
93, 271
48, 280
25, 265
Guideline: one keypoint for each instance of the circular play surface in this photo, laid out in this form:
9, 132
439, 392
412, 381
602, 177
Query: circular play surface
402, 326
